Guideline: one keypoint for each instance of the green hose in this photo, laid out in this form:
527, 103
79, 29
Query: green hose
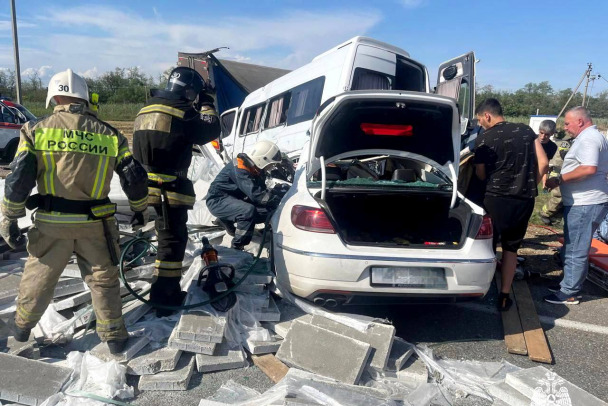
182, 307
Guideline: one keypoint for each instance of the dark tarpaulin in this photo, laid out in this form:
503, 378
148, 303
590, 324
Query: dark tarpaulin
229, 93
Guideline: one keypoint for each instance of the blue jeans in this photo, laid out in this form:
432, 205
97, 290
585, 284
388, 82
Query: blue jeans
580, 222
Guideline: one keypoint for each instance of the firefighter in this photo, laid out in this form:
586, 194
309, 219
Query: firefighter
71, 156
554, 204
239, 194
165, 130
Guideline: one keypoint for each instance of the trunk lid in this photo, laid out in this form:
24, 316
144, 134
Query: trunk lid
413, 124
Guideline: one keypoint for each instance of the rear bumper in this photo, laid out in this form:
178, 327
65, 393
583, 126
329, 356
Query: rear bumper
311, 275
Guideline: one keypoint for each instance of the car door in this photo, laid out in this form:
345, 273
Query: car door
456, 79
228, 121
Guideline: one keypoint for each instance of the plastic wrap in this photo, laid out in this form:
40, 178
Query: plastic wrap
92, 377
304, 387
55, 327
463, 378
232, 392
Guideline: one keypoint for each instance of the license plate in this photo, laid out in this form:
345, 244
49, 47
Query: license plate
409, 277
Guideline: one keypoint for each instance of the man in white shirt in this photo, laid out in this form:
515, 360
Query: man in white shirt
584, 186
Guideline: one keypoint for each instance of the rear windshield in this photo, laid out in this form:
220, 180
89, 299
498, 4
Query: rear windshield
408, 76
423, 128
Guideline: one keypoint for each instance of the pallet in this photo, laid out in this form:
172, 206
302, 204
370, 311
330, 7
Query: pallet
513, 331
536, 342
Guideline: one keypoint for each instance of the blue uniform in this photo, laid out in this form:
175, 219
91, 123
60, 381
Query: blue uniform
239, 195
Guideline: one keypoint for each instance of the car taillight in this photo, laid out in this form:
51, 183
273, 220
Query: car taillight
485, 231
311, 219
216, 144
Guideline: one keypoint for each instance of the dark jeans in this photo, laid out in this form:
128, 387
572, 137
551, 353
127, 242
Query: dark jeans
580, 222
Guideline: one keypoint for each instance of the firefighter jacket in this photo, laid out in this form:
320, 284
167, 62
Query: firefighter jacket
555, 165
164, 132
242, 180
70, 156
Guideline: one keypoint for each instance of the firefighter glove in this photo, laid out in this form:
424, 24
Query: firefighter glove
9, 230
139, 219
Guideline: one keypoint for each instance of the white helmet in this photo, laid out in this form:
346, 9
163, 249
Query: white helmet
265, 153
67, 84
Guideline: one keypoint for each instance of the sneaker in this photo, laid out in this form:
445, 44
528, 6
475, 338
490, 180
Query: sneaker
504, 302
20, 334
117, 346
560, 298
546, 220
557, 288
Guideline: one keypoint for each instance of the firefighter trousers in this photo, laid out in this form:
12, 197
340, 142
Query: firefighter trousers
172, 240
554, 204
50, 247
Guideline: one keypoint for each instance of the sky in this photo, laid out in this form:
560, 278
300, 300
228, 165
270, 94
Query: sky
515, 41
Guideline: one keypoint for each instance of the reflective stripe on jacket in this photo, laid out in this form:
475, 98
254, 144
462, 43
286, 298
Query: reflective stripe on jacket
71, 154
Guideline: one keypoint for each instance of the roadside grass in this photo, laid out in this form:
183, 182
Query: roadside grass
541, 199
107, 112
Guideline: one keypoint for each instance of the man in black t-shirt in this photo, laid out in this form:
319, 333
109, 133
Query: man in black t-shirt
506, 158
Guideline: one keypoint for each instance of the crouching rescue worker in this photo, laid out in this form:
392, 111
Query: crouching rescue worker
71, 156
165, 131
239, 193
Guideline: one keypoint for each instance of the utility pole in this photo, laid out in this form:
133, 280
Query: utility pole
586, 84
588, 71
16, 47
592, 79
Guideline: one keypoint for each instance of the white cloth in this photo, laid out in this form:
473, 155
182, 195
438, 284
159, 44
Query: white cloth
590, 148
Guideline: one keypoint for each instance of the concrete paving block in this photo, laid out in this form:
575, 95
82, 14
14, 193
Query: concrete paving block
508, 395
378, 336
224, 358
261, 273
71, 271
264, 347
540, 384
150, 361
28, 349
83, 341
414, 372
201, 327
69, 286
58, 362
230, 393
9, 288
135, 310
191, 346
173, 380
270, 313
401, 351
134, 345
260, 301
43, 380
73, 301
324, 352
282, 327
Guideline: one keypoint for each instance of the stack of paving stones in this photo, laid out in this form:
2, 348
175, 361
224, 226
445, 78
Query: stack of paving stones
326, 347
540, 386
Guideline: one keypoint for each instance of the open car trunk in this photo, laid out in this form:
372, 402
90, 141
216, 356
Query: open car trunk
398, 218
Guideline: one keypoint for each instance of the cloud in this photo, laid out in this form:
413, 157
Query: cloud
105, 37
90, 73
412, 3
44, 72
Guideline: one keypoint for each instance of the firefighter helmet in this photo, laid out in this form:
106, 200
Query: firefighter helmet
265, 153
185, 82
67, 83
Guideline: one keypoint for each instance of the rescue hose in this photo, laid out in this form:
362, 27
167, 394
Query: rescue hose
144, 240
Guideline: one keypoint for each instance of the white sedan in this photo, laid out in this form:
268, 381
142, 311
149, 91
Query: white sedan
374, 210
